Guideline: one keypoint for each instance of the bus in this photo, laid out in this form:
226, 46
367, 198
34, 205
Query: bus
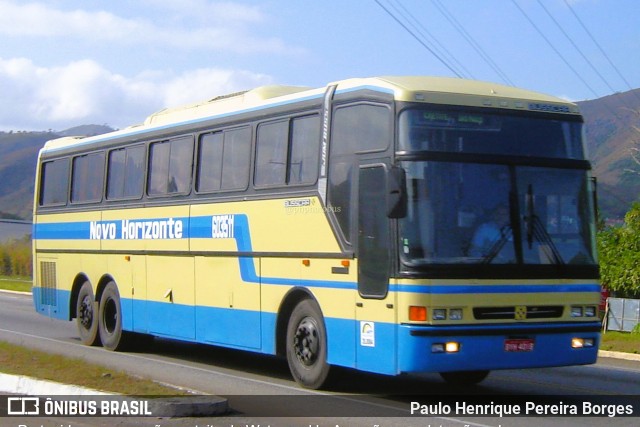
395, 225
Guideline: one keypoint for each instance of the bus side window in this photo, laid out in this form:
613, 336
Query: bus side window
305, 150
87, 178
236, 159
54, 182
125, 173
287, 151
210, 162
223, 160
170, 165
271, 153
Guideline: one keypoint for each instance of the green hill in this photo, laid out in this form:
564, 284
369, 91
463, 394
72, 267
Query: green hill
613, 132
18, 157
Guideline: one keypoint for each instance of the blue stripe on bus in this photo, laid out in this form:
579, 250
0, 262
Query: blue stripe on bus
62, 231
81, 230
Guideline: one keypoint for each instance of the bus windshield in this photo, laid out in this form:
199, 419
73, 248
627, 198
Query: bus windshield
485, 213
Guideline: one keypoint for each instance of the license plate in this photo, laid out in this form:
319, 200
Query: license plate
518, 345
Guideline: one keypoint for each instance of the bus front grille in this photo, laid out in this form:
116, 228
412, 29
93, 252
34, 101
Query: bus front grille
518, 312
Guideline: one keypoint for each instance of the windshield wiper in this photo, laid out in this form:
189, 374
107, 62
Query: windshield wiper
505, 235
535, 229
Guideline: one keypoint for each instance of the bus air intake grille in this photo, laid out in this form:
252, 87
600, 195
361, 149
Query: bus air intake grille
518, 312
48, 282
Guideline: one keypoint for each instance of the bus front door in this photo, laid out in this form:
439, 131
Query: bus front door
375, 306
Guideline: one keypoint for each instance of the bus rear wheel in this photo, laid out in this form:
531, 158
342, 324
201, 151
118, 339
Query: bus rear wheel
464, 377
87, 315
110, 316
307, 345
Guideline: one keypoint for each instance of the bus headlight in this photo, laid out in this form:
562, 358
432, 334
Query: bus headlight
439, 314
590, 311
446, 314
455, 314
582, 342
584, 311
447, 347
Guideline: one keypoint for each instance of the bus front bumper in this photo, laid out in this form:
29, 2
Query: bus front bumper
492, 347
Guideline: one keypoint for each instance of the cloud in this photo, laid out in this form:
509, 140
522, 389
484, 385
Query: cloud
35, 19
83, 92
192, 24
207, 11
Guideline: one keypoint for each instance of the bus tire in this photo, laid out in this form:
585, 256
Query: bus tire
307, 345
87, 315
110, 324
464, 377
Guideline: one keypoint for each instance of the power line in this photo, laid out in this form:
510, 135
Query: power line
576, 46
555, 21
465, 34
546, 39
442, 50
407, 29
604, 53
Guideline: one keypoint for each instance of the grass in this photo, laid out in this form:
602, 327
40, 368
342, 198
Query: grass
19, 360
22, 284
621, 341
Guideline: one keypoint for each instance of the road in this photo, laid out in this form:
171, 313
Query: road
261, 392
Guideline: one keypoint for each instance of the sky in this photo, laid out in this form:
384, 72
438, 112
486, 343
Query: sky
65, 63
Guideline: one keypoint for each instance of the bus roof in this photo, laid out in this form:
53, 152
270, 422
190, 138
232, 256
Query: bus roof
436, 90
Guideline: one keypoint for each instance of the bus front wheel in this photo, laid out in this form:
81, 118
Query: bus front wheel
307, 345
87, 315
110, 316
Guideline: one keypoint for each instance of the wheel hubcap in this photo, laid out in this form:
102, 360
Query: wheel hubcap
85, 313
306, 341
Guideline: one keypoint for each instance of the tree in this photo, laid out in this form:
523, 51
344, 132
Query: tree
619, 250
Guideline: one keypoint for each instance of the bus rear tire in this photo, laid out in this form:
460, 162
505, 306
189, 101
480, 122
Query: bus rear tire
464, 377
110, 324
307, 345
87, 315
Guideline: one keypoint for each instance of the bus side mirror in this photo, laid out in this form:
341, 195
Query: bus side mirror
396, 193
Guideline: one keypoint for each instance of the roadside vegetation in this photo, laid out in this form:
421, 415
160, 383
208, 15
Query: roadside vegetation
19, 360
619, 252
15, 258
626, 342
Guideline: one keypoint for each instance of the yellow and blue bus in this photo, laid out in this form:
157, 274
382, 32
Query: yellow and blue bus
391, 225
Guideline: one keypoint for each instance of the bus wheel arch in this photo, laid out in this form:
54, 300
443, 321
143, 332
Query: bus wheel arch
306, 344
85, 310
289, 303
